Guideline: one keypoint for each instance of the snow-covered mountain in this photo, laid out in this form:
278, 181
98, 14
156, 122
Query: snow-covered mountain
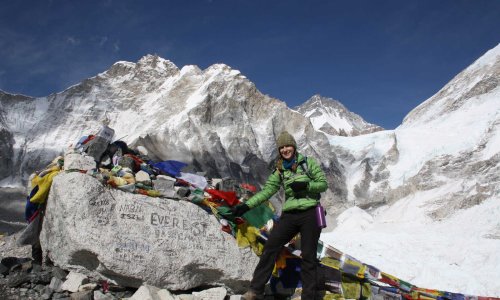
215, 119
454, 135
430, 189
428, 186
332, 117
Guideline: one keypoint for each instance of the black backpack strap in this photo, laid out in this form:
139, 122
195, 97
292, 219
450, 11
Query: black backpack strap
303, 165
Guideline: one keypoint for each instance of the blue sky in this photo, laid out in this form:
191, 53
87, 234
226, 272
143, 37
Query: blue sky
379, 58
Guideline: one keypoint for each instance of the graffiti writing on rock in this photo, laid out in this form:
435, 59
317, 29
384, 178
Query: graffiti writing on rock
99, 202
130, 257
101, 210
131, 208
132, 211
173, 222
132, 217
130, 245
131, 251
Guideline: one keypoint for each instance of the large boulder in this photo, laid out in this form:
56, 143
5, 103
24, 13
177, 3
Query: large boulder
134, 239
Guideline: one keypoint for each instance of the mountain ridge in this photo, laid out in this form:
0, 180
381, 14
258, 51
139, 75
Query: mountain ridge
187, 114
332, 117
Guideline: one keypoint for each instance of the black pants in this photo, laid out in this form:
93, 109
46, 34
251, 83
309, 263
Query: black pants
37, 253
289, 225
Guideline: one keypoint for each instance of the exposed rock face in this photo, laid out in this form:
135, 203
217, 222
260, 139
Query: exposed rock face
6, 153
134, 239
14, 126
366, 167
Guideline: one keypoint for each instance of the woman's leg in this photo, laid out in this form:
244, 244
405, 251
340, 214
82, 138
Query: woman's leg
281, 234
309, 235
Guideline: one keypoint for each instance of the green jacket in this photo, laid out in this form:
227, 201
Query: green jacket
300, 201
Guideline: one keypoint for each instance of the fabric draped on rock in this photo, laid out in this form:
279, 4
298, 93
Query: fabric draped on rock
170, 167
43, 183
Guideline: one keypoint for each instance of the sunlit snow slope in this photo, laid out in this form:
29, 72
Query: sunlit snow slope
436, 177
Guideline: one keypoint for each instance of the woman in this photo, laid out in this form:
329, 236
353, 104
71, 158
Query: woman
303, 181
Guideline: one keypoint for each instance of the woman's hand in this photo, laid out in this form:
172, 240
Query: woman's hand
299, 186
240, 209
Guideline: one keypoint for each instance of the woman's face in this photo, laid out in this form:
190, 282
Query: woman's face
287, 152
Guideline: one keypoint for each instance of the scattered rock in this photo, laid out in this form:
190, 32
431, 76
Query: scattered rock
165, 185
73, 282
43, 277
47, 292
59, 273
61, 296
98, 295
18, 278
183, 191
83, 295
79, 161
217, 293
87, 287
55, 284
142, 177
165, 295
39, 288
145, 292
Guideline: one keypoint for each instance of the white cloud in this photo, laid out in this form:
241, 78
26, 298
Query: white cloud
73, 41
116, 46
103, 40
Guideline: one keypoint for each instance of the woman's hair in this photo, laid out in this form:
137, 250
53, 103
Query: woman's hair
279, 162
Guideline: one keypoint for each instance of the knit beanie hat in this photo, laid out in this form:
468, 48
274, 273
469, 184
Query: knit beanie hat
286, 139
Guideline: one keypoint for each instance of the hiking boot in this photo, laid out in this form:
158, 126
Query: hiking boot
251, 295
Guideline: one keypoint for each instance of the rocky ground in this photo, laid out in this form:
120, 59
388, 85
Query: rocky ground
21, 278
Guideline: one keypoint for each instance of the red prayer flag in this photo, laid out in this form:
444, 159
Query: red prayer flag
249, 187
228, 196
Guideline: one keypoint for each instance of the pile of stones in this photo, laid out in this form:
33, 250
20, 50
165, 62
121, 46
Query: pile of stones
23, 279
